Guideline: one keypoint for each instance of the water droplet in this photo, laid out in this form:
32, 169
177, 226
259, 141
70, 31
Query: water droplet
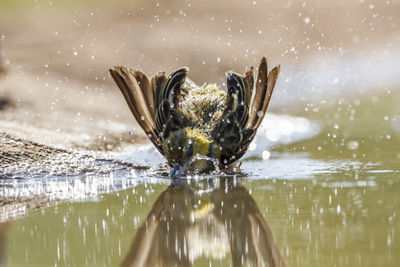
266, 154
352, 145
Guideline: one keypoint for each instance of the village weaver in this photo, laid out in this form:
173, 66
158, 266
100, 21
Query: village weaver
198, 128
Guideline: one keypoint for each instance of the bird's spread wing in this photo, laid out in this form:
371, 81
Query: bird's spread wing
168, 117
139, 92
264, 88
155, 105
244, 111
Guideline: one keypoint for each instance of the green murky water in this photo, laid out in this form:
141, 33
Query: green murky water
341, 219
332, 200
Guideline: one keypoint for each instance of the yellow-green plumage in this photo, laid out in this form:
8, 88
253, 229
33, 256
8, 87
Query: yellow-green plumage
198, 128
204, 105
187, 142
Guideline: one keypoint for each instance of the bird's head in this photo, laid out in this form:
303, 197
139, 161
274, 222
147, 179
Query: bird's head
188, 150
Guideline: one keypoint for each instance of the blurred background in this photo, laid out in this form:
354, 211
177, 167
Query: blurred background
56, 54
322, 175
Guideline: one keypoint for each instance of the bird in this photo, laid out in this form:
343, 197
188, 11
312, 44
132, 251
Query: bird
199, 129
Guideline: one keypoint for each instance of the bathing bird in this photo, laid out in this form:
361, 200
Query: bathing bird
199, 129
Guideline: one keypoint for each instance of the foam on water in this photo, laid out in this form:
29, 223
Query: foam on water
280, 129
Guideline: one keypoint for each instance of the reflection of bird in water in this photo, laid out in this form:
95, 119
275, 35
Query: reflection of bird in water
198, 128
193, 222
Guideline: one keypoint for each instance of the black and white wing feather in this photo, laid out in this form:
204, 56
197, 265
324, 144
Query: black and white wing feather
244, 111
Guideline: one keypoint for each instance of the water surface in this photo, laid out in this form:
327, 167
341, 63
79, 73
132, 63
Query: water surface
348, 218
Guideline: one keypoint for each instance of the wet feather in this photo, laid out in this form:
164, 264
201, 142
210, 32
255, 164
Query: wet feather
185, 121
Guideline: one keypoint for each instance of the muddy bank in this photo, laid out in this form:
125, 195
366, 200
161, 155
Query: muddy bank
25, 159
21, 159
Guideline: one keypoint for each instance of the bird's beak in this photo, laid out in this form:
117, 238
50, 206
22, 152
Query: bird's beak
194, 165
